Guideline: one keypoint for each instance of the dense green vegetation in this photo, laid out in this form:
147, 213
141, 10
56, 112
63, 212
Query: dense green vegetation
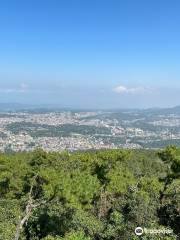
161, 143
65, 130
101, 195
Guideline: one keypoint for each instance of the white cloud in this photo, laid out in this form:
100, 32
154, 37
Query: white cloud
24, 85
130, 90
21, 89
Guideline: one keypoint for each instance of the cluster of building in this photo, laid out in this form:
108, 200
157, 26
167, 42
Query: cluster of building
167, 122
23, 140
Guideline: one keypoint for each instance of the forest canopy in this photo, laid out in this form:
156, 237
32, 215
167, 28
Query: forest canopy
93, 195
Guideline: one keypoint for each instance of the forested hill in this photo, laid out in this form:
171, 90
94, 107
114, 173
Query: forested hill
102, 195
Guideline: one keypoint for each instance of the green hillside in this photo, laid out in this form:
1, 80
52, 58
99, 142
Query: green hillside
96, 195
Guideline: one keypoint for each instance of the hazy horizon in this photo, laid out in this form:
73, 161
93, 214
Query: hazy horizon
90, 54
21, 106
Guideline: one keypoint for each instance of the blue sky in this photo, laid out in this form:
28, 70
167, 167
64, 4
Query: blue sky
93, 53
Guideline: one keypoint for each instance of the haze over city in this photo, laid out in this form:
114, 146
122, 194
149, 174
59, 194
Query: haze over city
90, 54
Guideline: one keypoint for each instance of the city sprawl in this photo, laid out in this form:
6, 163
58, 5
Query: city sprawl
55, 130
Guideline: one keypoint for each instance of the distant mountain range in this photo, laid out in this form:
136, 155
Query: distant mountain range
20, 106
173, 110
6, 107
13, 106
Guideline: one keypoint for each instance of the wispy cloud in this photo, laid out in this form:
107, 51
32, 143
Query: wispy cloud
24, 87
21, 89
130, 90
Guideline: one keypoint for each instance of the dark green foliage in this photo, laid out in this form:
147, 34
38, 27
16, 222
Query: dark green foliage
100, 195
39, 130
